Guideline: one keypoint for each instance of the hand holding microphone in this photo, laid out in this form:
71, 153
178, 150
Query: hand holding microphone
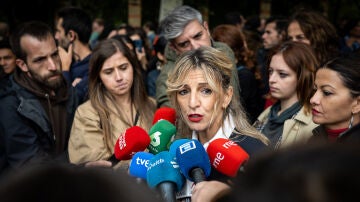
133, 140
226, 156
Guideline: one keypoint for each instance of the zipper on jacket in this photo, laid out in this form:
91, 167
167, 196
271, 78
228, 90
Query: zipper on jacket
47, 96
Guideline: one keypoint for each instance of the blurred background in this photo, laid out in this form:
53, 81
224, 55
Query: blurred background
136, 12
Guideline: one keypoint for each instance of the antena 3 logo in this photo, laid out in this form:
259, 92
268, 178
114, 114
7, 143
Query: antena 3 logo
187, 147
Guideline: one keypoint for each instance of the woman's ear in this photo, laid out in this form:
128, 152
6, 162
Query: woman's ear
22, 65
227, 97
356, 108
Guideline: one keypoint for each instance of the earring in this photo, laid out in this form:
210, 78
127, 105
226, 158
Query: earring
351, 120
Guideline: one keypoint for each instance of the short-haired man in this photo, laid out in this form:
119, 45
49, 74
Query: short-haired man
185, 30
7, 57
37, 112
73, 31
274, 34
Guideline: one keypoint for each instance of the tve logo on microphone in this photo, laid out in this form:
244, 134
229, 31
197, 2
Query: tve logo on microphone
187, 147
143, 162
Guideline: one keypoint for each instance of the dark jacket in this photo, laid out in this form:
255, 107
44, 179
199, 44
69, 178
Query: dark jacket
79, 70
250, 95
350, 136
25, 131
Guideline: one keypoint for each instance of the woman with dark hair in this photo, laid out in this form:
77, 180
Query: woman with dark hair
291, 78
118, 100
314, 29
250, 87
336, 102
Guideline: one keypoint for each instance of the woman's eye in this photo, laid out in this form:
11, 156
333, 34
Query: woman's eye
207, 91
107, 72
283, 75
183, 92
327, 93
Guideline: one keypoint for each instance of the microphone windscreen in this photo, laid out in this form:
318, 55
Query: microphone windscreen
161, 135
175, 144
139, 164
191, 155
133, 140
226, 156
166, 113
163, 168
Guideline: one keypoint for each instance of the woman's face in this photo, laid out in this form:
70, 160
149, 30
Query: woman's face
282, 80
296, 34
117, 75
332, 103
197, 102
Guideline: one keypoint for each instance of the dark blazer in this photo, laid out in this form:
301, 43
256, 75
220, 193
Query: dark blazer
25, 130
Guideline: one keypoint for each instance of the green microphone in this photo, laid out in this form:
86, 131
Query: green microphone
161, 135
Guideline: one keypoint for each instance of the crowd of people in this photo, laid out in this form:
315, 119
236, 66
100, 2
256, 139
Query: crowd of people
287, 93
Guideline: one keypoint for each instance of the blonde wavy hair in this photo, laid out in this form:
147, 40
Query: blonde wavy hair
217, 69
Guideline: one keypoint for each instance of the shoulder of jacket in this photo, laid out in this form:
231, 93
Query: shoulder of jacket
306, 119
264, 115
86, 109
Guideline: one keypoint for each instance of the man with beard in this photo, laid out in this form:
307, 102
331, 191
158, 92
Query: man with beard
73, 31
38, 106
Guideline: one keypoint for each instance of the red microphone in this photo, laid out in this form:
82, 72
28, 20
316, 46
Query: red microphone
226, 156
133, 140
166, 113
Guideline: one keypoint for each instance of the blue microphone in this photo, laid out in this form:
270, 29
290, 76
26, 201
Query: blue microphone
164, 173
193, 160
175, 144
139, 164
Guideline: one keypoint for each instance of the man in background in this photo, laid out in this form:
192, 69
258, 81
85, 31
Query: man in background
73, 30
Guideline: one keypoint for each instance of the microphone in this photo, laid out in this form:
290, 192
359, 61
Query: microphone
133, 140
166, 113
163, 172
226, 156
139, 164
193, 161
161, 135
175, 144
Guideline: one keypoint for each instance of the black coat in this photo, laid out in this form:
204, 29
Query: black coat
350, 136
25, 130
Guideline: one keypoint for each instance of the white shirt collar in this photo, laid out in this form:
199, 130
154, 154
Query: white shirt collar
228, 127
